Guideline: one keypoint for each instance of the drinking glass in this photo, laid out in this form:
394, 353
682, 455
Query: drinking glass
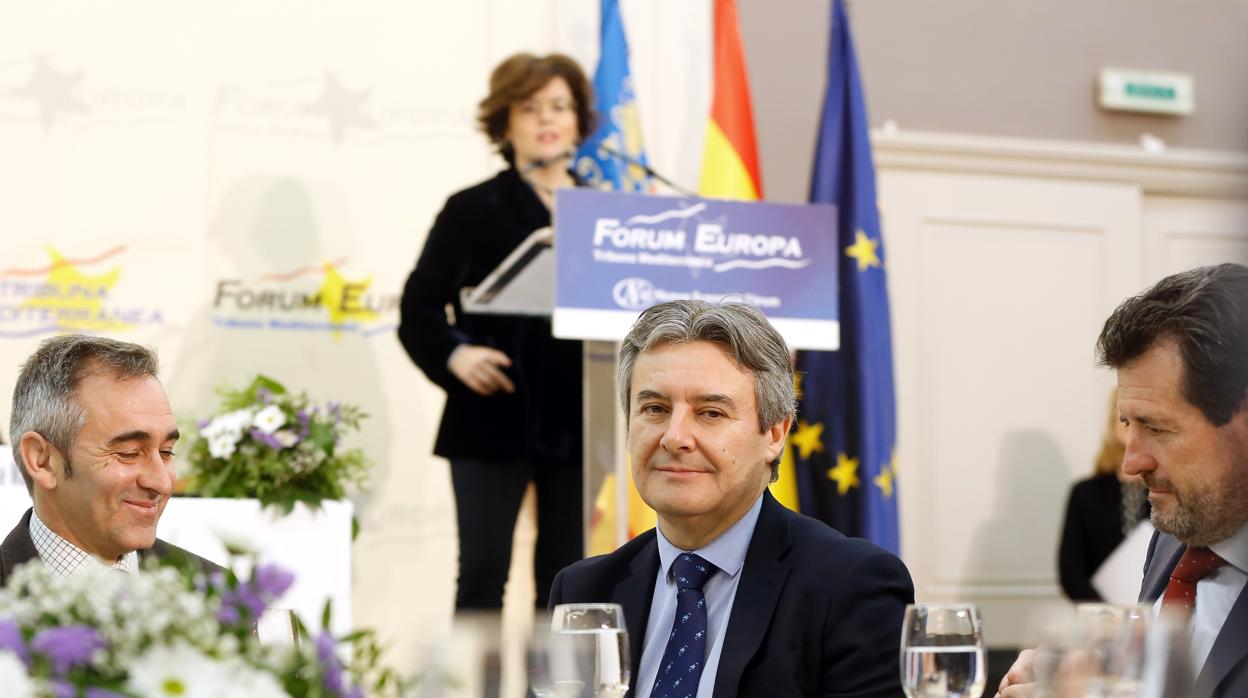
1101, 651
586, 653
278, 627
942, 652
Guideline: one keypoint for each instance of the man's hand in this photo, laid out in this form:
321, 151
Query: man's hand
481, 369
1019, 681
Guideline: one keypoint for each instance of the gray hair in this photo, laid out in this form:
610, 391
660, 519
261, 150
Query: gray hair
742, 329
43, 399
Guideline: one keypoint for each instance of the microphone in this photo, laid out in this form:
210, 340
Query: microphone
539, 163
604, 149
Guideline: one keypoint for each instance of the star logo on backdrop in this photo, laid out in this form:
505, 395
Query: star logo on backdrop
808, 438
887, 476
845, 474
343, 107
78, 301
864, 251
341, 297
54, 91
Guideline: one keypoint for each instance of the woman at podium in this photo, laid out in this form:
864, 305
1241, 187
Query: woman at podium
513, 392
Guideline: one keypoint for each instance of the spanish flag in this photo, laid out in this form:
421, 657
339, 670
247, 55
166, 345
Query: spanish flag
730, 164
730, 161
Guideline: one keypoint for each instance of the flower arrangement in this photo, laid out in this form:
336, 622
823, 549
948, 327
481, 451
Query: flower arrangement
277, 447
169, 632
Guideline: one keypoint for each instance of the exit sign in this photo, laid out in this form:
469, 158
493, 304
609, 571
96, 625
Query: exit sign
1147, 91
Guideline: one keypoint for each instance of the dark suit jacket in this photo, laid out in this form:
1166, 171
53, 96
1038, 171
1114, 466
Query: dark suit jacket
815, 614
18, 548
1225, 674
540, 422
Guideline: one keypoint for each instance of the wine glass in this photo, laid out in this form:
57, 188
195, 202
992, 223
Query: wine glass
587, 651
942, 652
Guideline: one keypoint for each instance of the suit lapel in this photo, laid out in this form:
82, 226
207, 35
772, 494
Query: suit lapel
1229, 649
17, 548
1165, 555
762, 578
635, 594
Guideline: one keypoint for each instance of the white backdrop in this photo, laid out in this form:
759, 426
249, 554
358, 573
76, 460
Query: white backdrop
244, 185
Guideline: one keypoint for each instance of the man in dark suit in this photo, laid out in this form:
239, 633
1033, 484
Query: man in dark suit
1181, 353
733, 594
93, 437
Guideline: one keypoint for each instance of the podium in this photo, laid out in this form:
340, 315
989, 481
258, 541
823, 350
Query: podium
613, 255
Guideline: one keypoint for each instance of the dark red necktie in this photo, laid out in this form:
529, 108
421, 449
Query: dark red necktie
1195, 565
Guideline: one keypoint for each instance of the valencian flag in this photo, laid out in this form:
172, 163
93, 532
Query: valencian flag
730, 160
619, 130
844, 443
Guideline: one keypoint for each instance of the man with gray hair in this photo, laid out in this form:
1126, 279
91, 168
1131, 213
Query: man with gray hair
92, 434
732, 594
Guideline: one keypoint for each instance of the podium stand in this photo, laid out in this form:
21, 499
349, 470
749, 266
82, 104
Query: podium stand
524, 284
618, 254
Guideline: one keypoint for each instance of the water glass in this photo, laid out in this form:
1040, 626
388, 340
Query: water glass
942, 652
278, 627
586, 653
1100, 650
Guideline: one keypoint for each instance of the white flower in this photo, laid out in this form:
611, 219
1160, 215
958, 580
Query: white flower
286, 438
221, 446
253, 683
269, 419
13, 677
179, 670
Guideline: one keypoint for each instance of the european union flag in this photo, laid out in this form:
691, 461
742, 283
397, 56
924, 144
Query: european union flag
845, 440
620, 127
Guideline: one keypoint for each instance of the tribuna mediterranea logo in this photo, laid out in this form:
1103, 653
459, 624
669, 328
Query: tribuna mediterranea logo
69, 293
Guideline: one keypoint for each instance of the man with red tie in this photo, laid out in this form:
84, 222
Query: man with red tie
1181, 353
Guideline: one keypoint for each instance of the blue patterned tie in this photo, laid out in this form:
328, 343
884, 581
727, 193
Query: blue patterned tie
686, 646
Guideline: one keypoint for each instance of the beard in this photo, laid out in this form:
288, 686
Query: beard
1205, 515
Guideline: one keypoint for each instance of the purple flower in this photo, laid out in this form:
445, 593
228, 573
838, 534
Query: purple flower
63, 689
266, 439
263, 395
102, 693
67, 647
247, 597
272, 581
228, 615
11, 640
203, 423
332, 680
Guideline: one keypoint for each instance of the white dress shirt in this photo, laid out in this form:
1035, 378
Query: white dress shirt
727, 552
65, 558
1215, 595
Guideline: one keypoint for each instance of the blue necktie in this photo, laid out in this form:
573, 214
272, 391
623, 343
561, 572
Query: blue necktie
685, 654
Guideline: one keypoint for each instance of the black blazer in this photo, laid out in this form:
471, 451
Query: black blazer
815, 614
18, 548
1225, 674
541, 421
1092, 531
